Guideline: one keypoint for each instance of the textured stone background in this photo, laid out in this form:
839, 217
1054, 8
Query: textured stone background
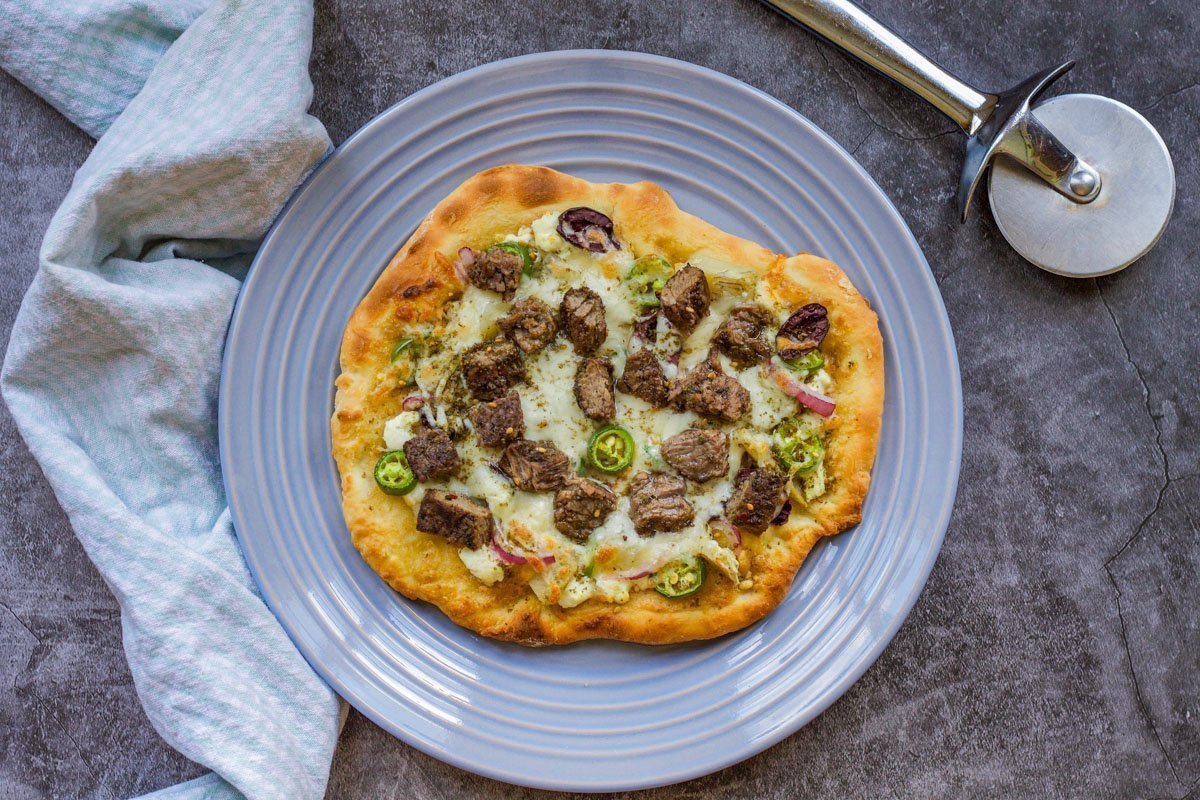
1056, 649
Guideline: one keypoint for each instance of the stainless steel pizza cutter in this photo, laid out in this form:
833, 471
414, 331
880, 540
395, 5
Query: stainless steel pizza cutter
1084, 188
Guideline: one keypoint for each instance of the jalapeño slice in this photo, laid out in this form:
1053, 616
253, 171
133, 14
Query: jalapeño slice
610, 449
795, 447
647, 278
393, 474
811, 361
680, 578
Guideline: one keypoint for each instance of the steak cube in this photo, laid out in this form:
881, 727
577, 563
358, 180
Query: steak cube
530, 324
743, 336
496, 269
581, 506
643, 378
431, 454
492, 368
498, 422
709, 392
594, 389
759, 496
463, 520
685, 298
534, 466
582, 313
657, 503
699, 455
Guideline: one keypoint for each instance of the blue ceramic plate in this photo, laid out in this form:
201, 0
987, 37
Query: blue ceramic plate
598, 715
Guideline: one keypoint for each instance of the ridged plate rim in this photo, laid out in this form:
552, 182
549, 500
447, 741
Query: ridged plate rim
437, 677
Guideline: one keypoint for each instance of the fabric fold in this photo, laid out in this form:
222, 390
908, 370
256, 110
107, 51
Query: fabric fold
114, 361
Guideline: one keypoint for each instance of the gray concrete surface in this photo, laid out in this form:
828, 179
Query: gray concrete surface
1055, 652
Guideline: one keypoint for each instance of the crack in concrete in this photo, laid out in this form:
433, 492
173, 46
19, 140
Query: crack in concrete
1154, 421
858, 146
821, 48
1171, 93
21, 622
1162, 491
78, 751
1137, 689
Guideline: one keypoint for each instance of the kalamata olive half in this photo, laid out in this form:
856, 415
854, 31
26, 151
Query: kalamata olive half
587, 228
803, 332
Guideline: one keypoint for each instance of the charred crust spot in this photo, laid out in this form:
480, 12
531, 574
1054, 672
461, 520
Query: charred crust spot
451, 212
419, 289
538, 188
489, 182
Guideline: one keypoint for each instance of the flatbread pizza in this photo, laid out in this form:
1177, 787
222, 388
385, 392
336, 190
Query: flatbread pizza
570, 410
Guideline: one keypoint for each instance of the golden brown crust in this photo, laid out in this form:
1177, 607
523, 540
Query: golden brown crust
417, 285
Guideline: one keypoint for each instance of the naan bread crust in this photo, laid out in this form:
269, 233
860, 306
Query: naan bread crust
420, 284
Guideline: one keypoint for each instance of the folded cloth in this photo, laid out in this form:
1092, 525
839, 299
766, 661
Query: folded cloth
113, 365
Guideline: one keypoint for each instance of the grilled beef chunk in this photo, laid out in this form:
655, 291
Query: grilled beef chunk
657, 503
757, 499
461, 519
742, 336
492, 368
803, 331
709, 392
431, 454
500, 421
581, 506
685, 298
699, 455
496, 269
530, 324
643, 377
534, 466
594, 389
582, 313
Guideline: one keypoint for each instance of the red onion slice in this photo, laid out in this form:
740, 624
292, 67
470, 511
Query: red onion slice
505, 556
722, 525
466, 257
413, 402
802, 394
657, 564
512, 558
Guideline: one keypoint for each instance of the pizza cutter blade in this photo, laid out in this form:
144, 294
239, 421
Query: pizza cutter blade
1082, 188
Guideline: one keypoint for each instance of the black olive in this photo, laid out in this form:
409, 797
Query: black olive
587, 228
785, 511
646, 328
803, 332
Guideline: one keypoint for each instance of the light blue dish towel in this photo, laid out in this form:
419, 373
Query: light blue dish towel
113, 366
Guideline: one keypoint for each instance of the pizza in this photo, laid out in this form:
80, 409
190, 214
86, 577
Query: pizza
570, 410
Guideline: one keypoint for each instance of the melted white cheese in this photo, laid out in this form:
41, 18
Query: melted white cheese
617, 559
398, 429
483, 564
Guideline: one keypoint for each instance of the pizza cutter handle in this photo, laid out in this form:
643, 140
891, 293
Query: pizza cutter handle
854, 30
996, 124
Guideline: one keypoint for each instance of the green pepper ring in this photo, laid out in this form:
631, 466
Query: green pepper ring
516, 248
602, 450
647, 278
393, 475
786, 442
811, 361
681, 568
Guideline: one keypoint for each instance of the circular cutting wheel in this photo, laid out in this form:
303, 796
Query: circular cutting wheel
1118, 227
